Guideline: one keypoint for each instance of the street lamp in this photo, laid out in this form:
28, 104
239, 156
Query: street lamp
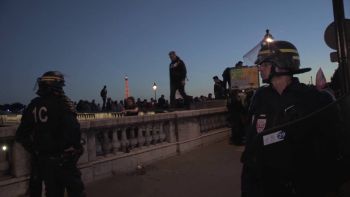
4, 148
155, 91
268, 37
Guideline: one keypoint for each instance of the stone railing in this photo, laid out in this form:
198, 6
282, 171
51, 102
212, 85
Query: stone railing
14, 119
118, 145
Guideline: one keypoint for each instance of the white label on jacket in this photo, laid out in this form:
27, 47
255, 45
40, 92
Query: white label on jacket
274, 137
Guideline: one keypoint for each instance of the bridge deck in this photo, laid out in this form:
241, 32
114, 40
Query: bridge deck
208, 171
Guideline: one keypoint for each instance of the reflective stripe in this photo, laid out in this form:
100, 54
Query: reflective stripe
50, 78
282, 50
264, 52
296, 58
288, 51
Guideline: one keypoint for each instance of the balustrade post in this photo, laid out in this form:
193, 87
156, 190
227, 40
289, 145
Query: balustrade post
140, 138
162, 135
91, 145
124, 141
133, 139
115, 143
85, 157
21, 161
204, 124
148, 136
156, 133
106, 142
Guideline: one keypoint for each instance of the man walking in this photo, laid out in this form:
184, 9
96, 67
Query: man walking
178, 74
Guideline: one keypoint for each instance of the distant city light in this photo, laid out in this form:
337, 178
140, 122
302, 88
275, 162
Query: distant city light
4, 148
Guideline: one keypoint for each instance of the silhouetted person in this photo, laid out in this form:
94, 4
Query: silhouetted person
226, 79
178, 74
109, 105
236, 117
219, 90
239, 64
50, 132
161, 102
94, 107
103, 94
131, 108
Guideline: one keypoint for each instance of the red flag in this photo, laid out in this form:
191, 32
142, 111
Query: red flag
321, 81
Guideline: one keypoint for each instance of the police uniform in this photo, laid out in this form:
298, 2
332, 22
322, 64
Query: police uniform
291, 160
50, 131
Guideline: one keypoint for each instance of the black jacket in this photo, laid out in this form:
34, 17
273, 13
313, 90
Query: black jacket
294, 157
219, 90
49, 126
178, 71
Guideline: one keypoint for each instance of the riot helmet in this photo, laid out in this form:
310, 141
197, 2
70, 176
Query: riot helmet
51, 82
283, 55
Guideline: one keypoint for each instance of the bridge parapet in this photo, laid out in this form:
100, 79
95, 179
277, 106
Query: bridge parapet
118, 145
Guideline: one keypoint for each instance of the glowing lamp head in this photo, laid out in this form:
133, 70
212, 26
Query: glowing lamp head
4, 148
269, 40
154, 86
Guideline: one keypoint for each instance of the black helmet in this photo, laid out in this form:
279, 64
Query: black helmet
281, 54
51, 81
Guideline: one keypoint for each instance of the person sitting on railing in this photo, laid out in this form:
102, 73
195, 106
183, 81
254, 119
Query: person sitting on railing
131, 108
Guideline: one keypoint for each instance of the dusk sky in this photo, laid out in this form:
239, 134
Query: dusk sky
96, 43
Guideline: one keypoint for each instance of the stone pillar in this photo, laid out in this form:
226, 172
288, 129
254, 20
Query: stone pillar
21, 161
115, 141
105, 142
162, 136
155, 136
171, 132
140, 138
91, 145
124, 141
133, 139
148, 136
85, 157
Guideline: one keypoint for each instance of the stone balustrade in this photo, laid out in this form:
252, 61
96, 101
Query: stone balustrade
117, 144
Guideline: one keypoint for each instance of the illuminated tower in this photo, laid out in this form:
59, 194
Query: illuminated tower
126, 87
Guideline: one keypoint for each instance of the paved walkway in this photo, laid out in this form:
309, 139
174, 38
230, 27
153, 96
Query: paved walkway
204, 172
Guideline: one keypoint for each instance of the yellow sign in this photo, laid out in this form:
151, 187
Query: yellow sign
244, 78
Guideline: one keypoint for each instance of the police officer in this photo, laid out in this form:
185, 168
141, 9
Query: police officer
49, 131
291, 161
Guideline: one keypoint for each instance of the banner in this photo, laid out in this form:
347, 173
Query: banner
244, 78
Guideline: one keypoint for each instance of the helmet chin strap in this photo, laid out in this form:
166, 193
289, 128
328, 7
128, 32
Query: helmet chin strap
273, 73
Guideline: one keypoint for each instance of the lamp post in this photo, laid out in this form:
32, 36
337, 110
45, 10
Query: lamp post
155, 91
268, 37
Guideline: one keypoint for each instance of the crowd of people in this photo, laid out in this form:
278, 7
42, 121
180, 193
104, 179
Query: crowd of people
84, 106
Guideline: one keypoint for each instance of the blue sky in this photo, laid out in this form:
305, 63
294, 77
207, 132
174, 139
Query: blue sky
96, 43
